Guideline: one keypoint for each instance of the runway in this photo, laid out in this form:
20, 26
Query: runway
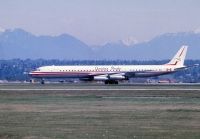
70, 89
98, 87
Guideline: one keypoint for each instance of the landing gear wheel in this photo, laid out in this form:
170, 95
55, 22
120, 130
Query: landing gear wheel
111, 82
31, 81
106, 82
42, 81
115, 82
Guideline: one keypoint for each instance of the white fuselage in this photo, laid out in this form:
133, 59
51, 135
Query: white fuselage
111, 73
101, 72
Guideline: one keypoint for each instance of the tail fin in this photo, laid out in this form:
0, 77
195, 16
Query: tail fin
179, 58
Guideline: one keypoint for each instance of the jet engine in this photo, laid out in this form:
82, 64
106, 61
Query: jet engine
117, 77
110, 77
101, 77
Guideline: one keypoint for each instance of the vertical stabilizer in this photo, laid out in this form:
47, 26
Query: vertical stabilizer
179, 58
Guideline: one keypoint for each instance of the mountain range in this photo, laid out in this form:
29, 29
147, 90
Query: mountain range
21, 44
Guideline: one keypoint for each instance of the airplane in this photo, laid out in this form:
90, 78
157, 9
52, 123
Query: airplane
111, 74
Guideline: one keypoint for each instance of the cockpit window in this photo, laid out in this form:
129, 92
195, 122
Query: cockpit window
38, 69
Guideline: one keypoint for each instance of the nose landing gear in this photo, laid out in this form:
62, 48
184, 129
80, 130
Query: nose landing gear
42, 81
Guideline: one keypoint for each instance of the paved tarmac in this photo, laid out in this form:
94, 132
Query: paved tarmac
97, 86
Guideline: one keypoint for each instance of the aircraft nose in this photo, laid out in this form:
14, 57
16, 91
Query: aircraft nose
31, 73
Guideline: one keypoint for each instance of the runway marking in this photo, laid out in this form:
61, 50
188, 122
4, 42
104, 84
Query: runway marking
90, 89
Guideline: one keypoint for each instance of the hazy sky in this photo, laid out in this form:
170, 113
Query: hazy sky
100, 21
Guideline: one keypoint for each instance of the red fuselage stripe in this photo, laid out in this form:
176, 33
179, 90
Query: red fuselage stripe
181, 53
173, 64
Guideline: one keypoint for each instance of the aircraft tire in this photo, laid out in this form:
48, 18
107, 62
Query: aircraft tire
42, 81
111, 82
106, 82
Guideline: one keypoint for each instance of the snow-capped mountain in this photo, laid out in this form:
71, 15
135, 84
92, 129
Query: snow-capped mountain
130, 41
18, 43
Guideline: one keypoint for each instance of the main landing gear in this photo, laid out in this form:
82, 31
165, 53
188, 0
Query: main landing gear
111, 82
42, 81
